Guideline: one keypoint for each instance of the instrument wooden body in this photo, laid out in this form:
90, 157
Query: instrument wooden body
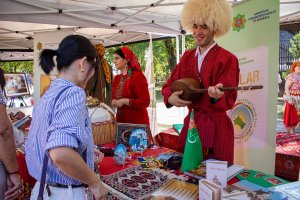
193, 88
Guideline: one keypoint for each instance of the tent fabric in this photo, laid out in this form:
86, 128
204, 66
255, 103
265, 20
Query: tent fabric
109, 22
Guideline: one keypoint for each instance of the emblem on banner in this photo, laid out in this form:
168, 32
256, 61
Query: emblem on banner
243, 117
238, 22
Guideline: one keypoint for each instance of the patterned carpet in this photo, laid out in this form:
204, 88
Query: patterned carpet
135, 182
288, 144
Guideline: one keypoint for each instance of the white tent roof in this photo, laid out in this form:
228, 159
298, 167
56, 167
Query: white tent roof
110, 22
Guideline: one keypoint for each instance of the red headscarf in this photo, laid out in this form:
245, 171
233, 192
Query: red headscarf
131, 59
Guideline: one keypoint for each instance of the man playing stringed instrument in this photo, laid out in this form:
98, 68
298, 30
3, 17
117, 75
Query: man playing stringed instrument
214, 67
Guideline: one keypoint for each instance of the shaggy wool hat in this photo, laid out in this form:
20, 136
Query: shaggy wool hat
216, 14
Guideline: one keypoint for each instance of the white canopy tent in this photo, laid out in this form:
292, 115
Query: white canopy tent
109, 22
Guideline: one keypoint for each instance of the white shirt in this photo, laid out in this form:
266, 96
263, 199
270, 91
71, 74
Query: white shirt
202, 56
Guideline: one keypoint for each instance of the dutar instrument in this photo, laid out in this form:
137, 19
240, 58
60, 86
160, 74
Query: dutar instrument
192, 88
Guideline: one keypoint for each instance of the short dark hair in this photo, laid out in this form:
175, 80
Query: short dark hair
70, 48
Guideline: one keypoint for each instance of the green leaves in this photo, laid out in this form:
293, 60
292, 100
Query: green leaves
295, 46
19, 66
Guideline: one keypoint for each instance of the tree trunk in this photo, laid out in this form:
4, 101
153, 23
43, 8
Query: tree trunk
171, 52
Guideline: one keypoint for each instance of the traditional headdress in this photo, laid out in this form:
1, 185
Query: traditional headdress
131, 59
216, 14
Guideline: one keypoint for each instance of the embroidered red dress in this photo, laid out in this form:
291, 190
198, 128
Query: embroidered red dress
136, 90
292, 112
214, 126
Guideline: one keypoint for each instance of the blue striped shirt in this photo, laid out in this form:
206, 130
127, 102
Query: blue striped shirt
70, 127
2, 97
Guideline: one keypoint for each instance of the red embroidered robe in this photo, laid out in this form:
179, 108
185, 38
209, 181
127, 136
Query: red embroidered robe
136, 90
214, 126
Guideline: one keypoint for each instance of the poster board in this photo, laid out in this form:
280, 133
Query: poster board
16, 85
254, 39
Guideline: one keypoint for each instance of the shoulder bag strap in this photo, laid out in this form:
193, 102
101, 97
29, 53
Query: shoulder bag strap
45, 160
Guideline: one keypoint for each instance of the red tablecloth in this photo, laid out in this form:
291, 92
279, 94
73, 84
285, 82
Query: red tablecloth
108, 165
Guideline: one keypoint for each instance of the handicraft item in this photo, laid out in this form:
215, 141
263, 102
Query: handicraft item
138, 140
120, 154
192, 88
103, 121
124, 131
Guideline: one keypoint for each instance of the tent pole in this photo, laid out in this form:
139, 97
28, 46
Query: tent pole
182, 44
177, 48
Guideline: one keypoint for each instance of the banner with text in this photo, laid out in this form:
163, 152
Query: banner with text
254, 39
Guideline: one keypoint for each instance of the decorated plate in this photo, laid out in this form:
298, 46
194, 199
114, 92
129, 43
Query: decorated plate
138, 140
120, 154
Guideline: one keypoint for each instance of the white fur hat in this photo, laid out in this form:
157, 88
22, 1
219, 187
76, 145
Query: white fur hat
216, 14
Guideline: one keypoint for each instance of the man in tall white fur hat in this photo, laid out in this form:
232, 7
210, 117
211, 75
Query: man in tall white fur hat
215, 67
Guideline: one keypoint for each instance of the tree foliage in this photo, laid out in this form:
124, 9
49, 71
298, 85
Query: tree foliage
164, 55
17, 66
295, 46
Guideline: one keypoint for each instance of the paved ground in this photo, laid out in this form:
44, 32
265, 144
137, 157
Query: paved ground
280, 127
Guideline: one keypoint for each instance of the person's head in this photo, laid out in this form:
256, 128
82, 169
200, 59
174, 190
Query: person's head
206, 19
2, 79
119, 59
75, 56
124, 58
295, 67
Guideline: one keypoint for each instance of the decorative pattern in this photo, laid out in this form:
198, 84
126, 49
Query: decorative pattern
136, 182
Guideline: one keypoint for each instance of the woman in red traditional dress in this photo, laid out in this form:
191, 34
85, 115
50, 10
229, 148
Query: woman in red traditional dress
130, 89
292, 98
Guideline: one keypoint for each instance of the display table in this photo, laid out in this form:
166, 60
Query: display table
108, 166
131, 181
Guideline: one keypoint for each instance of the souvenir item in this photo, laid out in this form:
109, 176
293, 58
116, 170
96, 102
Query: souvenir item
124, 131
103, 123
138, 140
177, 189
92, 102
120, 154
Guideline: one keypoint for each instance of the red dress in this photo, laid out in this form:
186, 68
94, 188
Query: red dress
136, 90
214, 126
292, 112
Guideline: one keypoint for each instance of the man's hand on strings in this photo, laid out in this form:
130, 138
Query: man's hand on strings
214, 92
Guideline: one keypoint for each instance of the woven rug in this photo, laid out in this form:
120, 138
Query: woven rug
135, 182
288, 144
